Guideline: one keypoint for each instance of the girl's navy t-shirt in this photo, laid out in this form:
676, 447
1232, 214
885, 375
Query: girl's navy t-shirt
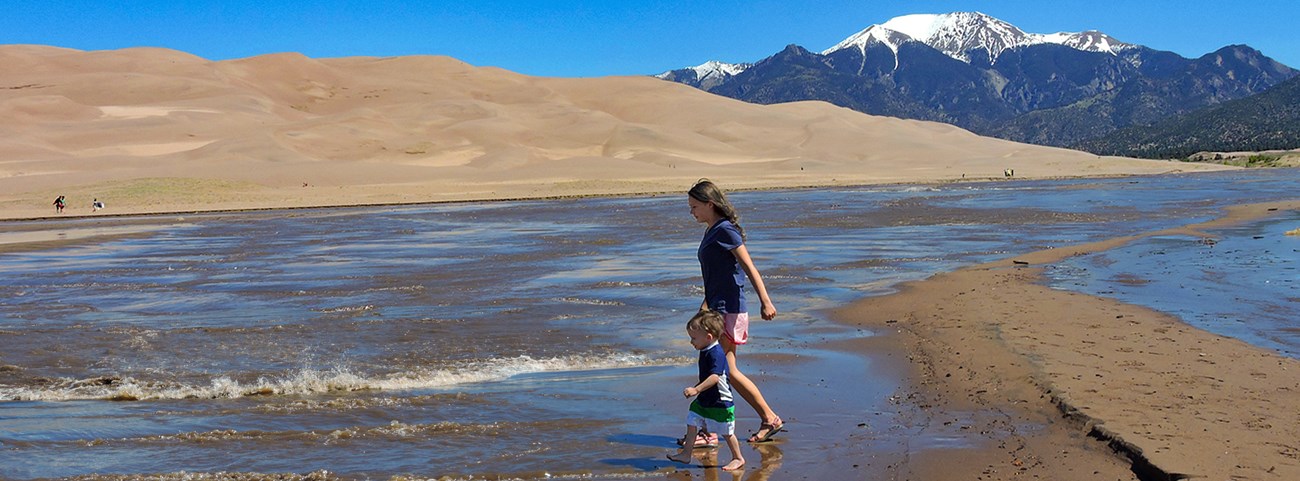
724, 281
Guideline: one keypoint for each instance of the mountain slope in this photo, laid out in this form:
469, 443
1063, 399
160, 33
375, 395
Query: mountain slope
992, 78
1267, 121
707, 75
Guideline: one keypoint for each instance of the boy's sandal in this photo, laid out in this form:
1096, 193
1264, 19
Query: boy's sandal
771, 430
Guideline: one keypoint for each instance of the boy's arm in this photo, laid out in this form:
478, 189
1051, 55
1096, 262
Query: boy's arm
708, 382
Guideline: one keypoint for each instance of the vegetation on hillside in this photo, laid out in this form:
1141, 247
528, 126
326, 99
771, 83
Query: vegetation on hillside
1269, 121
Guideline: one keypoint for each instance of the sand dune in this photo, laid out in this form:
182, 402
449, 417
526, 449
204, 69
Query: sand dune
422, 128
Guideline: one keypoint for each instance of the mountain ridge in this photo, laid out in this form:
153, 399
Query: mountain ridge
994, 79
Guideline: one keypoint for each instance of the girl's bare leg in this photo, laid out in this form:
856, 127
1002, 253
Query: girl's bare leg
744, 386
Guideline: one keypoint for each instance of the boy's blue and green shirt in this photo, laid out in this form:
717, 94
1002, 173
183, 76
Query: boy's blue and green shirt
716, 402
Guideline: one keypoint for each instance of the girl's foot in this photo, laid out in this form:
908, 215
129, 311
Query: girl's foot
768, 429
734, 465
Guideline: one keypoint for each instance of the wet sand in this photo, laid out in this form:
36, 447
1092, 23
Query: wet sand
1070, 386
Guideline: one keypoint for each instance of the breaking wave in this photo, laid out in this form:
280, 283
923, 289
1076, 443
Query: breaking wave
315, 381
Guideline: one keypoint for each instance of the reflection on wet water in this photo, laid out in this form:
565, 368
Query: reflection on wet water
527, 339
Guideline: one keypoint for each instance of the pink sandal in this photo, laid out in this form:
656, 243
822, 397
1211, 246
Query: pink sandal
702, 440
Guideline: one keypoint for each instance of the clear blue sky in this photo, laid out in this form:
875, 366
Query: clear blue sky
572, 38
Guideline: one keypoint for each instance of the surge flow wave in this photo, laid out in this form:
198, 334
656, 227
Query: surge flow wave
315, 381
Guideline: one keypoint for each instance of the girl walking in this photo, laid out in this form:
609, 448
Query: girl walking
725, 264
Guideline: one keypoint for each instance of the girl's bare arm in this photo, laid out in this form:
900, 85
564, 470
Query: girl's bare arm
742, 255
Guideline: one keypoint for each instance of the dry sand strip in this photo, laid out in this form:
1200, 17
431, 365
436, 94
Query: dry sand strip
1176, 401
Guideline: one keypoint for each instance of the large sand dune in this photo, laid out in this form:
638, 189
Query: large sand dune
155, 130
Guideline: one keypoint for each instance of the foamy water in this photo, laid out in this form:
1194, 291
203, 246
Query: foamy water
524, 339
316, 382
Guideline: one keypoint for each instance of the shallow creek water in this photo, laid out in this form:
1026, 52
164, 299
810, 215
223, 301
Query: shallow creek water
536, 339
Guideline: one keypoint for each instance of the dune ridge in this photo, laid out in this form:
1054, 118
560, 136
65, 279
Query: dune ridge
295, 131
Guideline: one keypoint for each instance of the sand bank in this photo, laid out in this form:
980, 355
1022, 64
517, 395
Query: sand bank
1175, 401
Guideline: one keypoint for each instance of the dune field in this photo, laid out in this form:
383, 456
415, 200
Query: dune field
150, 130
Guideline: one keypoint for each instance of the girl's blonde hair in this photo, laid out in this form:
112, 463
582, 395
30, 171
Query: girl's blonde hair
705, 190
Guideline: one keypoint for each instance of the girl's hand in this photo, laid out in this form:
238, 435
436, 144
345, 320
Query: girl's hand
690, 392
769, 311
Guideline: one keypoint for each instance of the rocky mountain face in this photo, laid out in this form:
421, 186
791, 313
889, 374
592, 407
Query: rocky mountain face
1263, 122
707, 75
992, 78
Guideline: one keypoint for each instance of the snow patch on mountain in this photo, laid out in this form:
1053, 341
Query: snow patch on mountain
960, 33
714, 67
709, 74
873, 35
1089, 41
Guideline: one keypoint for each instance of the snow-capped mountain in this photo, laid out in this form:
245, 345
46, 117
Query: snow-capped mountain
991, 77
1088, 41
714, 68
963, 34
706, 75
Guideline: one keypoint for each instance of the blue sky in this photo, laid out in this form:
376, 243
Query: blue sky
571, 38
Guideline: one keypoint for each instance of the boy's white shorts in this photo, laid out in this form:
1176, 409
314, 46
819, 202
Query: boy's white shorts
720, 428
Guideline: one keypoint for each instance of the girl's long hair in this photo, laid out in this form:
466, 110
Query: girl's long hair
705, 190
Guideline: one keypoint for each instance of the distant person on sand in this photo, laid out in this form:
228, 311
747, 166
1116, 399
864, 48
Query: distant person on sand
725, 263
96, 205
712, 408
58, 204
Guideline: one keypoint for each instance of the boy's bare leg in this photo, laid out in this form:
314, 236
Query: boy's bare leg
737, 459
683, 455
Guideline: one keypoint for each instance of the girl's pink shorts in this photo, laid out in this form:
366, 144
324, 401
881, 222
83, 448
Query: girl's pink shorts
736, 327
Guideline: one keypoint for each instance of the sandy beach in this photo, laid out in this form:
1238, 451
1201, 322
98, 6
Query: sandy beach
1174, 401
